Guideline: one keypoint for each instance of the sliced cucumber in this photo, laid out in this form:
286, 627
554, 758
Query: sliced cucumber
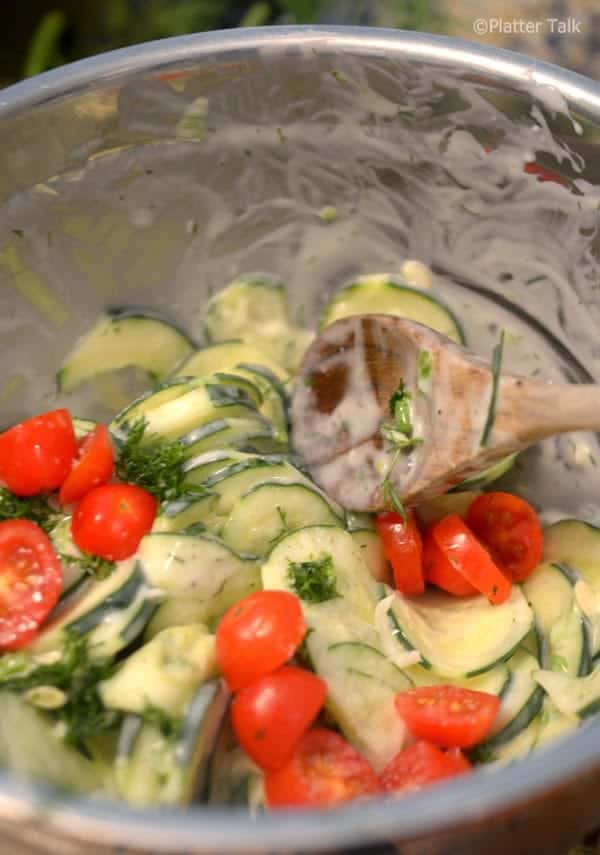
138, 409
560, 624
371, 547
520, 704
460, 637
354, 583
153, 769
516, 748
247, 434
494, 682
199, 401
227, 355
124, 338
31, 746
266, 512
182, 514
573, 696
574, 542
255, 308
200, 467
385, 294
111, 613
74, 574
164, 673
553, 724
82, 427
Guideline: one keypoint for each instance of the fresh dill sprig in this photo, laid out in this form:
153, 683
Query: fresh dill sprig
36, 509
313, 581
157, 465
400, 435
95, 566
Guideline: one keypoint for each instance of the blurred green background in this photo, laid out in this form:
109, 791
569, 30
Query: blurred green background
41, 34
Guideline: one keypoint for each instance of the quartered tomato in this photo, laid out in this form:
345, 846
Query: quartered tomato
36, 455
93, 466
111, 520
257, 635
448, 715
419, 765
470, 559
271, 714
510, 530
30, 581
404, 550
323, 771
441, 572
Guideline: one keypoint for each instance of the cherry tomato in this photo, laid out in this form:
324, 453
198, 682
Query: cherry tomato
510, 530
36, 455
111, 520
448, 715
271, 714
404, 550
457, 761
470, 559
257, 635
543, 173
93, 466
418, 766
30, 581
439, 571
324, 770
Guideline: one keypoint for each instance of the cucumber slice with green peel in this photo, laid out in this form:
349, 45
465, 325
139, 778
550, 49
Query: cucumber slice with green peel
111, 613
487, 477
201, 466
354, 585
227, 355
164, 673
178, 610
560, 624
460, 637
388, 295
234, 433
577, 544
189, 566
513, 749
255, 308
573, 696
359, 521
31, 747
74, 574
495, 681
371, 547
125, 338
520, 703
138, 409
153, 769
266, 512
186, 513
275, 397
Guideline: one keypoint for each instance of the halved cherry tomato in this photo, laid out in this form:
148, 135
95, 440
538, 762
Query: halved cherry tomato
457, 761
510, 530
470, 559
30, 581
257, 635
271, 714
403, 548
448, 715
439, 571
418, 766
111, 520
324, 770
93, 466
36, 455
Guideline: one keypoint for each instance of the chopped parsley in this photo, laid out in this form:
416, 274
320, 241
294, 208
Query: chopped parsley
157, 466
35, 509
424, 369
168, 726
313, 581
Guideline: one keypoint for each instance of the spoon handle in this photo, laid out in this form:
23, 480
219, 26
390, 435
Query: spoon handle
532, 410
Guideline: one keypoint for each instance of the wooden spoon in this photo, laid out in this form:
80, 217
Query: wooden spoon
465, 414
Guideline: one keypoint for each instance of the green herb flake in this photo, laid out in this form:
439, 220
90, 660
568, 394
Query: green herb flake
157, 466
558, 663
168, 726
328, 214
496, 366
390, 496
313, 581
95, 566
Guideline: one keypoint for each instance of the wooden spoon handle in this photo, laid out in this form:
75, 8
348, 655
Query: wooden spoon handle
530, 410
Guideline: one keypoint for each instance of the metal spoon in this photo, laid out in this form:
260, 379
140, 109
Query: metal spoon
464, 415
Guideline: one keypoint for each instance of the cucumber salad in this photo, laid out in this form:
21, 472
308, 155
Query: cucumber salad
187, 617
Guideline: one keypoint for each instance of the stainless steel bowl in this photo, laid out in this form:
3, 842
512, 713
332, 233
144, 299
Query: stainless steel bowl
155, 174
